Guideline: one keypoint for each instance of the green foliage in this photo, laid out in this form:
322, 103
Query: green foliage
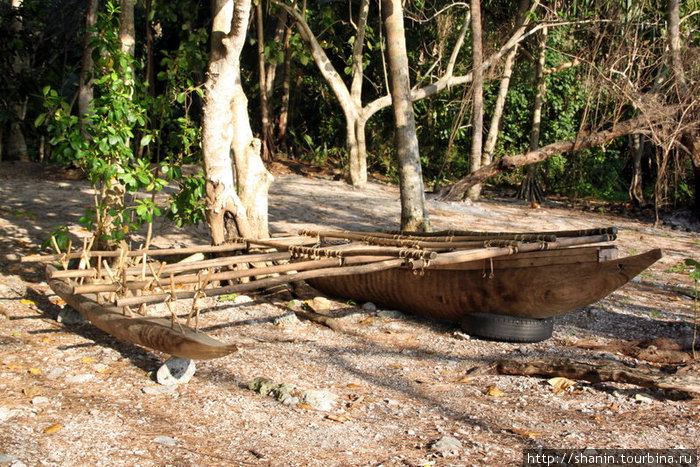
101, 143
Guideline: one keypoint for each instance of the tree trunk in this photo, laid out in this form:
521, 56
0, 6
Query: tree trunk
530, 189
226, 128
583, 141
283, 118
478, 98
16, 144
85, 91
265, 130
636, 190
414, 213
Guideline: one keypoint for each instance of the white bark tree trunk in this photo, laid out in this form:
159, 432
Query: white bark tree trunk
414, 213
226, 129
478, 98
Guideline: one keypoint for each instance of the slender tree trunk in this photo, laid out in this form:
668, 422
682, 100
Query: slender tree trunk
16, 144
636, 190
530, 189
283, 118
235, 206
85, 91
265, 130
414, 213
478, 97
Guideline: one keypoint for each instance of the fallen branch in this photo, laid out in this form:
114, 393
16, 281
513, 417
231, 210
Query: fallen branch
583, 141
646, 377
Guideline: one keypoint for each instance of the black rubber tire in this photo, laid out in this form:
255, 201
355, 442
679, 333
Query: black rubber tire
507, 328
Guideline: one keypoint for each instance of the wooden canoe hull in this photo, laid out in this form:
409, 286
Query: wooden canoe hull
530, 285
153, 333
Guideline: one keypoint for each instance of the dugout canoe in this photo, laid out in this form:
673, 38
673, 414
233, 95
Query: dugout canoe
539, 284
153, 333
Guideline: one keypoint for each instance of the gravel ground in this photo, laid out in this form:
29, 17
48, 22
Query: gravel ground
72, 395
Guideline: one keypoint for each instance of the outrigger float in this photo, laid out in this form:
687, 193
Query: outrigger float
448, 275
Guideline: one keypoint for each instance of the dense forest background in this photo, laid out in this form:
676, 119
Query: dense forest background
552, 72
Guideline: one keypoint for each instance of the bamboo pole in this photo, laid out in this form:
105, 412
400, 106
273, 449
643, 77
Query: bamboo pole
264, 283
557, 233
443, 236
151, 253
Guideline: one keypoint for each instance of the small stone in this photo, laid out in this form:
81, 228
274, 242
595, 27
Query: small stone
156, 390
165, 440
175, 370
390, 314
39, 400
446, 445
7, 459
6, 413
287, 320
369, 306
70, 317
320, 304
319, 400
55, 373
262, 385
84, 378
461, 336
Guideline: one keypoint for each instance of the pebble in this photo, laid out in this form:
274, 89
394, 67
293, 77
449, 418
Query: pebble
320, 304
155, 390
165, 440
390, 314
7, 458
461, 336
175, 370
319, 400
55, 373
39, 400
369, 306
446, 445
69, 316
80, 378
6, 413
239, 300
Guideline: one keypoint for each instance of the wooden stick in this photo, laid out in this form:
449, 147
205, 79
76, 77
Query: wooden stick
452, 239
557, 233
153, 252
264, 283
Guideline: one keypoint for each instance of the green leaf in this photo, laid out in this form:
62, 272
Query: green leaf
146, 140
39, 120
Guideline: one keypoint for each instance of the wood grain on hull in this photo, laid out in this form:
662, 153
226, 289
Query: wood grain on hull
531, 285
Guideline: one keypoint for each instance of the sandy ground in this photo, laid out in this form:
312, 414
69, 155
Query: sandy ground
72, 395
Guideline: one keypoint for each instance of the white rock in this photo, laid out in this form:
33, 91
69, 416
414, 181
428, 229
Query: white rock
165, 440
155, 390
175, 370
446, 445
40, 400
6, 413
319, 400
320, 304
80, 378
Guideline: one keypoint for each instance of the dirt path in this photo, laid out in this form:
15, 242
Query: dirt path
71, 395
